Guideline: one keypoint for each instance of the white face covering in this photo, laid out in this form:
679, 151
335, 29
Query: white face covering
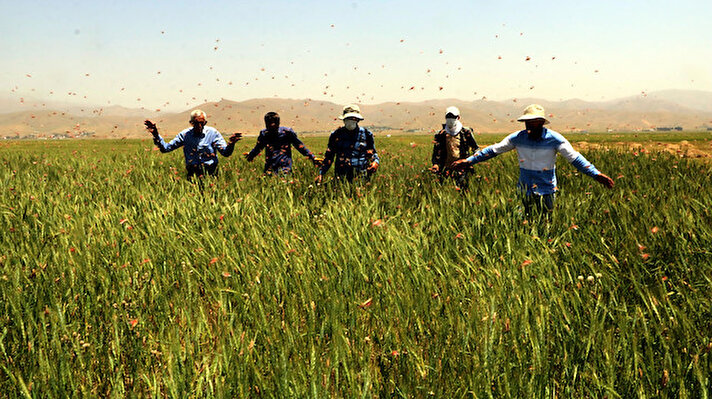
453, 126
350, 124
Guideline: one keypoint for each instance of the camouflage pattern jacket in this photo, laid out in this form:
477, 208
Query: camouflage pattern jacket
467, 142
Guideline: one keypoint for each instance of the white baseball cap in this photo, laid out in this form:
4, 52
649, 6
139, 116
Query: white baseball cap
452, 110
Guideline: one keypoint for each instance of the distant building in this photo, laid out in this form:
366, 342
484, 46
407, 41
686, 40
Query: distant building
62, 136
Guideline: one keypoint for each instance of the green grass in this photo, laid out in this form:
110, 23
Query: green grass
118, 278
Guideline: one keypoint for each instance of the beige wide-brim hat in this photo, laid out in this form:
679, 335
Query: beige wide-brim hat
534, 111
351, 111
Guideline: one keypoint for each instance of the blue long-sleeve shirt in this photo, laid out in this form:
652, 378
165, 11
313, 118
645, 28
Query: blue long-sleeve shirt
278, 149
537, 159
199, 148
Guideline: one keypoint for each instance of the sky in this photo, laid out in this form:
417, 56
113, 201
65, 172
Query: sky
171, 55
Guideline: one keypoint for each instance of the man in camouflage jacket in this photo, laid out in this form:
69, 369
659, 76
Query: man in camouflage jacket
453, 142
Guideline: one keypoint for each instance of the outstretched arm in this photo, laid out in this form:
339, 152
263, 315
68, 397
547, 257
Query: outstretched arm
261, 143
302, 148
487, 153
226, 148
328, 158
582, 164
158, 140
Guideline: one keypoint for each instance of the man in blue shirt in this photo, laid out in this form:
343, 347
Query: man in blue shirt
352, 147
277, 142
537, 147
199, 143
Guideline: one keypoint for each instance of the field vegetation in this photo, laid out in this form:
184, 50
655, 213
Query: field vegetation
118, 278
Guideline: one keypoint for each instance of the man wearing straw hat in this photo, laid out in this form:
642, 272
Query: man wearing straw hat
451, 143
537, 147
200, 144
352, 147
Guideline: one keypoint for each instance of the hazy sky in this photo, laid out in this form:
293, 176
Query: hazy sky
175, 54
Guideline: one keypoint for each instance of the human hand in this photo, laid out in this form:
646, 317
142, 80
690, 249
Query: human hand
235, 138
373, 167
151, 127
435, 168
247, 156
605, 180
460, 164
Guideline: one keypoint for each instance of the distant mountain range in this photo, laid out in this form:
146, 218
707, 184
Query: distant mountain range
691, 110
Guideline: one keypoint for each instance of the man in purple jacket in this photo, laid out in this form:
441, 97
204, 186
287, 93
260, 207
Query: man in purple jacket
277, 142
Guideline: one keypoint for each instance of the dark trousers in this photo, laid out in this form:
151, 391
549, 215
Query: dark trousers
461, 177
283, 171
201, 170
349, 174
541, 203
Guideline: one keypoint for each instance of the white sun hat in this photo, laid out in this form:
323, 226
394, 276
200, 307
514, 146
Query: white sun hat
534, 111
351, 111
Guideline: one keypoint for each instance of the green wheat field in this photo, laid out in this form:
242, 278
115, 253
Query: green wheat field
120, 279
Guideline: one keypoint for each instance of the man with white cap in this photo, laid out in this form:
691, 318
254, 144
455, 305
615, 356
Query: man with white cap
451, 143
352, 147
200, 144
537, 147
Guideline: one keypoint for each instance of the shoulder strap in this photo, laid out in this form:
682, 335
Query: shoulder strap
362, 135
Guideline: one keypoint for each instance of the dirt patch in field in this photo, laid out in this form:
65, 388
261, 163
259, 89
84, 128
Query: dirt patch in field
683, 149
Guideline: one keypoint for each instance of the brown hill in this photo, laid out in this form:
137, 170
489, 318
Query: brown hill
313, 116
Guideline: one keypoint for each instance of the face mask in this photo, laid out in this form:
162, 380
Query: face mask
270, 126
450, 122
350, 124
